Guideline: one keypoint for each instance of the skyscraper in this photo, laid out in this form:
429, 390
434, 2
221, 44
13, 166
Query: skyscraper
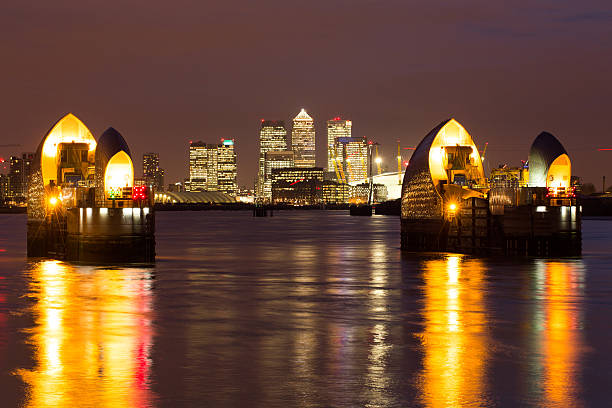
212, 167
353, 154
336, 127
152, 174
226, 168
303, 140
4, 188
198, 160
19, 171
272, 137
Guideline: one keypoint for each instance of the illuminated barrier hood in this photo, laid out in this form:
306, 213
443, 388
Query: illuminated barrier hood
445, 162
549, 163
64, 155
114, 167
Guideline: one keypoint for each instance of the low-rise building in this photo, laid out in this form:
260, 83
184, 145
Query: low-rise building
360, 192
297, 185
335, 193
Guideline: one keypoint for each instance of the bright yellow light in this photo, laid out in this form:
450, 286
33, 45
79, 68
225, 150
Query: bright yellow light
69, 129
452, 207
560, 172
53, 201
119, 172
451, 134
378, 160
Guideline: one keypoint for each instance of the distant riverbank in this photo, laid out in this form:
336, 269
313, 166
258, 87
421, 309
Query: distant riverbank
13, 210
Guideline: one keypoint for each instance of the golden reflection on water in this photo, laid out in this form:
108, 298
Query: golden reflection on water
377, 377
92, 337
455, 339
559, 337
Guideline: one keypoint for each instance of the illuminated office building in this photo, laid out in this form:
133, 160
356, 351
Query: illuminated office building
4, 188
353, 155
198, 161
18, 175
226, 168
153, 175
272, 138
303, 140
212, 167
335, 193
360, 193
336, 128
274, 160
297, 185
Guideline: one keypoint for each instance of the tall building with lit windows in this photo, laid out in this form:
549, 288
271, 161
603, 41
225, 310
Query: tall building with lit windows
226, 168
336, 128
19, 171
272, 138
4, 188
198, 162
353, 155
212, 167
152, 174
303, 140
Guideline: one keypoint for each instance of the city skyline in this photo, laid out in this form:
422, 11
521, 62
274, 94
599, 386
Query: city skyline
507, 72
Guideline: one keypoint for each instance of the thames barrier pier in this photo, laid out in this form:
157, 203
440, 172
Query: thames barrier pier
449, 205
82, 204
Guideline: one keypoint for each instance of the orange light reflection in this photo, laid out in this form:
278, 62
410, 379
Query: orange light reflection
92, 337
455, 339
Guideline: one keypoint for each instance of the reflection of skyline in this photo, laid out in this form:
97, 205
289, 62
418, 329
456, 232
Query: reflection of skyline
455, 340
92, 337
557, 332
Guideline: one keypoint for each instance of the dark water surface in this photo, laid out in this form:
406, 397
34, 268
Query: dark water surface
309, 309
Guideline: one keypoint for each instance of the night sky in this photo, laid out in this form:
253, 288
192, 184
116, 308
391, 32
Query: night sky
164, 73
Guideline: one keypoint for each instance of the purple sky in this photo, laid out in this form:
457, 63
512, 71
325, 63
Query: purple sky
164, 73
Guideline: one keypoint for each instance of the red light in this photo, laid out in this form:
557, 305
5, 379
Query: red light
337, 118
409, 148
604, 150
262, 120
139, 193
191, 141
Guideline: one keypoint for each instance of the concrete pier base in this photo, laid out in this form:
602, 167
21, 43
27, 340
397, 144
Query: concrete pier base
95, 235
529, 230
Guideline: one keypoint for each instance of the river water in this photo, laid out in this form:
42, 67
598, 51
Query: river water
304, 309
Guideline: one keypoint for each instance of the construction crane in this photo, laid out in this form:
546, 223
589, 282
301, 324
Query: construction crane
337, 167
399, 163
349, 170
484, 151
